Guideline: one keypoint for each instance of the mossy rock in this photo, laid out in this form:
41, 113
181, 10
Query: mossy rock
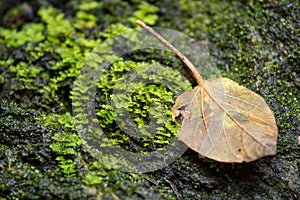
42, 45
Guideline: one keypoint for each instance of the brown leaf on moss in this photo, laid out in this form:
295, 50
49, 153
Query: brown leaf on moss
223, 120
229, 123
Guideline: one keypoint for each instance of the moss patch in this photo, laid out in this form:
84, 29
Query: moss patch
42, 45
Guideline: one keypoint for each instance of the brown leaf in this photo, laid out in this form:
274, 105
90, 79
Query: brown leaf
226, 122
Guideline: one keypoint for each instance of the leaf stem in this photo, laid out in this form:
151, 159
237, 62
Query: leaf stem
184, 59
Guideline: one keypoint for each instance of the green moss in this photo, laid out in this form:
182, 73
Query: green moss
32, 32
114, 29
89, 5
65, 143
252, 42
94, 177
95, 174
55, 37
86, 20
58, 28
147, 106
2, 80
145, 12
60, 41
74, 162
48, 67
26, 73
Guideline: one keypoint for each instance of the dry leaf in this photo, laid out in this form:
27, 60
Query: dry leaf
223, 120
235, 127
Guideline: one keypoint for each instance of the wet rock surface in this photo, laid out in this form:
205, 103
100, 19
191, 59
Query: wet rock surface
254, 43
